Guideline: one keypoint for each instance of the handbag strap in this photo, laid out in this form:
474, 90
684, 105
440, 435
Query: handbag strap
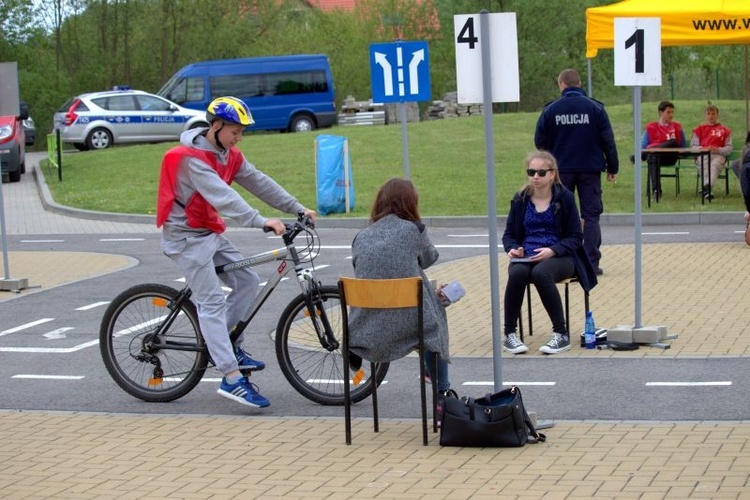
534, 436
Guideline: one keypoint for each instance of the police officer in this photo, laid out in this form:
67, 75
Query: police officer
576, 130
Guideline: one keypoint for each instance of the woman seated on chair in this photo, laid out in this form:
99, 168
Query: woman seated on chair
544, 243
396, 245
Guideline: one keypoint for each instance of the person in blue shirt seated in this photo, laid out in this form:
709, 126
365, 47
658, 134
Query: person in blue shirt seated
544, 243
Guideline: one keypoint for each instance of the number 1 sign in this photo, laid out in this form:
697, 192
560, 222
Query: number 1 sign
638, 51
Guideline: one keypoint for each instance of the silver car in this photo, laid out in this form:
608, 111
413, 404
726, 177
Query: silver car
100, 119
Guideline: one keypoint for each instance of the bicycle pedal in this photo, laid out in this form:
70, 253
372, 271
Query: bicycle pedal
155, 381
359, 375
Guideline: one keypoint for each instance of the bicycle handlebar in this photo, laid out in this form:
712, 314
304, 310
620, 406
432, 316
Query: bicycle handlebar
293, 229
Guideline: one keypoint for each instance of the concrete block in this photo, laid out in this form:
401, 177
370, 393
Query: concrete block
620, 333
646, 335
662, 332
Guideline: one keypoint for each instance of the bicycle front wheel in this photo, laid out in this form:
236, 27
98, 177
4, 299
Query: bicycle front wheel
316, 371
152, 367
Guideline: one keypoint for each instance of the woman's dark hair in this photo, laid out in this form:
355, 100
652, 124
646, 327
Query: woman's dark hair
747, 138
398, 197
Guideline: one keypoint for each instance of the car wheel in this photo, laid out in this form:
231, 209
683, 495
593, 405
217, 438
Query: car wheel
14, 176
302, 123
198, 125
22, 167
99, 138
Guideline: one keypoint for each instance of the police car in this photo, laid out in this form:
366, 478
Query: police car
100, 119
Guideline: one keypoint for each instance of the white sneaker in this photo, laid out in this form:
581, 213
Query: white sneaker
558, 343
513, 345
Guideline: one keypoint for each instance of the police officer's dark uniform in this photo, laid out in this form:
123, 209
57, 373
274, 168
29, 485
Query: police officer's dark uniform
576, 130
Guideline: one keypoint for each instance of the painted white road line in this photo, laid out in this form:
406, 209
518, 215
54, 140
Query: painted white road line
688, 384
121, 239
58, 334
51, 350
483, 235
50, 377
675, 233
42, 241
483, 383
27, 325
464, 246
92, 306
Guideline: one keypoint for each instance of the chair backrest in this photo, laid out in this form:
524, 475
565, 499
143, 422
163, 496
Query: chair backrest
381, 293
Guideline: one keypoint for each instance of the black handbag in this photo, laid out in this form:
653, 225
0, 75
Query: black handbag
496, 420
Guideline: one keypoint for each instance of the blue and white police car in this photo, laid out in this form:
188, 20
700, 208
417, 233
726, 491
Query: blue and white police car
100, 119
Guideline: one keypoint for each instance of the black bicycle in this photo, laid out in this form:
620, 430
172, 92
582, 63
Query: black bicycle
151, 343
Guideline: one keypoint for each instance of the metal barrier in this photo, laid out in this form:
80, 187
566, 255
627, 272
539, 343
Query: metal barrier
54, 152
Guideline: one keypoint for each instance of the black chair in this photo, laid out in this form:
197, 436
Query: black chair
565, 282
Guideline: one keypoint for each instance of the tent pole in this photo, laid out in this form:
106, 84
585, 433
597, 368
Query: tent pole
588, 75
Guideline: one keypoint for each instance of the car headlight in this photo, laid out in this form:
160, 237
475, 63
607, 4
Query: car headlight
5, 131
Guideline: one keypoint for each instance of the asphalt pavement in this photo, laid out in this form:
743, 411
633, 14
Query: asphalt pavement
698, 291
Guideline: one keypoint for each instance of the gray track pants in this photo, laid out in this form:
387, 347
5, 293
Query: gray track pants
197, 257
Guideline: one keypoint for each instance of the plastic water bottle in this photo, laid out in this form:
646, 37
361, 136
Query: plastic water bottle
589, 332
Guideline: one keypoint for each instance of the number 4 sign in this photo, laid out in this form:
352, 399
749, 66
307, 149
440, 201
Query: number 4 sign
503, 43
638, 51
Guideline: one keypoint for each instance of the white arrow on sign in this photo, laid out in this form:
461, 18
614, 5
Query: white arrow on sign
416, 58
57, 334
387, 72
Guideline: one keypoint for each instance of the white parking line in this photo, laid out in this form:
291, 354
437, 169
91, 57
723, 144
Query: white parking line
42, 241
121, 239
27, 325
50, 377
509, 383
687, 384
675, 233
50, 350
92, 306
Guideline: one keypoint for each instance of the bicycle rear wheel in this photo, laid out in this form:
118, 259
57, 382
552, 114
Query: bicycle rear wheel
137, 358
313, 370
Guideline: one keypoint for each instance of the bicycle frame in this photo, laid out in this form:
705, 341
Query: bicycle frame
305, 278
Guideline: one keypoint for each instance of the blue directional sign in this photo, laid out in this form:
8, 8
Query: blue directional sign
400, 72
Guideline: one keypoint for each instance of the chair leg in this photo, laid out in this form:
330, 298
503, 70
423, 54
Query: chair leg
374, 386
423, 389
528, 306
435, 362
567, 309
347, 394
726, 178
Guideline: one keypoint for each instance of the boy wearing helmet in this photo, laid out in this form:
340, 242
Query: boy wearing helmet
194, 186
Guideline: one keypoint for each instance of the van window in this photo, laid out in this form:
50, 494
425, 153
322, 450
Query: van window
181, 90
236, 85
298, 82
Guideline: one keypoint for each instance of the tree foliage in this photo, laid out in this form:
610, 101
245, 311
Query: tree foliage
64, 47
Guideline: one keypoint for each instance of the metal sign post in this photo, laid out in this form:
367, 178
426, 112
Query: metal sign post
9, 105
637, 62
495, 35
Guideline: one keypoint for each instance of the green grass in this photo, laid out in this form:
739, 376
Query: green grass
446, 162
